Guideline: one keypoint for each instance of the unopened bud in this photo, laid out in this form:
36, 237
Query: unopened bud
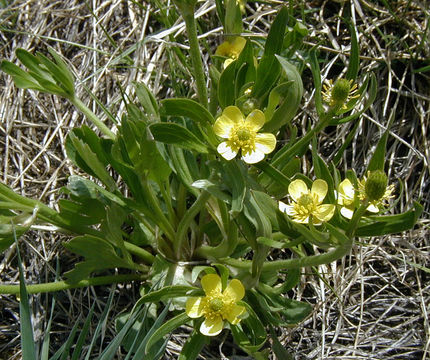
248, 106
376, 185
340, 91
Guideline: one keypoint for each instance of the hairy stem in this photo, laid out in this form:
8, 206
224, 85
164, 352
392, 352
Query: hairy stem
62, 285
190, 24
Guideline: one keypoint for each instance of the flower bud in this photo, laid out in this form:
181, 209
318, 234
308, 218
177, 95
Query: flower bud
248, 106
376, 185
340, 91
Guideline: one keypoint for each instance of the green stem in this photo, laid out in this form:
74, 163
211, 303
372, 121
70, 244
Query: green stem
62, 285
139, 252
162, 221
187, 219
92, 117
353, 224
165, 192
227, 246
190, 24
292, 151
295, 263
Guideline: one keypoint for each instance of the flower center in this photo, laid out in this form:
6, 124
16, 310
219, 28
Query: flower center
306, 200
242, 137
243, 134
216, 304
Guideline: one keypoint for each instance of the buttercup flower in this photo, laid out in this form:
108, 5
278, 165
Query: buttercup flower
231, 49
345, 198
217, 306
241, 135
339, 93
365, 189
307, 204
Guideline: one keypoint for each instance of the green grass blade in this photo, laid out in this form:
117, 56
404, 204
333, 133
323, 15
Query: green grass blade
101, 324
80, 343
27, 339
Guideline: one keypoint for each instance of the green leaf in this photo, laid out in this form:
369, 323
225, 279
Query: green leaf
167, 328
271, 243
188, 108
293, 311
313, 60
212, 188
249, 334
280, 352
236, 182
61, 80
275, 38
391, 224
171, 133
22, 79
169, 292
233, 17
268, 72
82, 154
291, 97
99, 255
226, 86
146, 99
354, 57
70, 79
377, 160
158, 349
86, 189
193, 346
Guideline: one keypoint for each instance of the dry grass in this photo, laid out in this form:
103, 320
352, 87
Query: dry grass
375, 303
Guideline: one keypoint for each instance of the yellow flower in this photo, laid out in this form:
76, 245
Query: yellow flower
375, 205
241, 135
345, 198
307, 204
217, 305
231, 49
339, 93
242, 4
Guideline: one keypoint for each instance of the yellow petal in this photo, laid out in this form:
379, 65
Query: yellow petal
211, 283
233, 113
346, 189
223, 49
234, 290
233, 314
297, 188
253, 157
347, 212
223, 126
226, 151
237, 45
227, 62
255, 120
319, 188
212, 327
193, 307
324, 212
373, 208
265, 142
282, 206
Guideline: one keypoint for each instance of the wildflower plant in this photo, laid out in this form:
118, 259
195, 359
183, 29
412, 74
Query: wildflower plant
208, 193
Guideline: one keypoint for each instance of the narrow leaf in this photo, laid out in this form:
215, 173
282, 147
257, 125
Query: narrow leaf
171, 133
